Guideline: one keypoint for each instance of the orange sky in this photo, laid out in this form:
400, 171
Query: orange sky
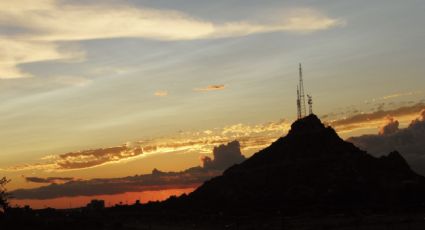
110, 200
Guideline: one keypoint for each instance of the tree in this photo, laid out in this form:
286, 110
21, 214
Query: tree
4, 203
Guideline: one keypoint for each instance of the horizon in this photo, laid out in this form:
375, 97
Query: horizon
100, 91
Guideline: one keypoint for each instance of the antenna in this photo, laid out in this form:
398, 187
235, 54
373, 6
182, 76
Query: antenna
310, 104
298, 103
302, 96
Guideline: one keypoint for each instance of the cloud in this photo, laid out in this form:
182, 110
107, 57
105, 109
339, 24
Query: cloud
14, 52
83, 159
210, 88
89, 158
49, 180
250, 137
390, 127
61, 22
161, 93
48, 28
367, 119
408, 141
157, 180
224, 156
247, 130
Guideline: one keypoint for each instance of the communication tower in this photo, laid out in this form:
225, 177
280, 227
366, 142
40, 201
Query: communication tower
301, 108
301, 96
310, 104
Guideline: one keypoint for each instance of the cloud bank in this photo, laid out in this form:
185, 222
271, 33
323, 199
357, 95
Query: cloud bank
408, 141
157, 180
45, 29
224, 156
372, 118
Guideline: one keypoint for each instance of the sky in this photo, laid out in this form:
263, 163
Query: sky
111, 89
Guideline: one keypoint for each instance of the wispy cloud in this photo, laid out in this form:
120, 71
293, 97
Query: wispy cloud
49, 27
210, 88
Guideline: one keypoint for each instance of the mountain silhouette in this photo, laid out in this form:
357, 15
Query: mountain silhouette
311, 168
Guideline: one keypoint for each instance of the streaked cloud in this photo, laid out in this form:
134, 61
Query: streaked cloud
373, 119
82, 159
50, 28
161, 93
210, 88
90, 158
250, 137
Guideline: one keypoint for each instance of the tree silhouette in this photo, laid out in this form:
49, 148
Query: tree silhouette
4, 203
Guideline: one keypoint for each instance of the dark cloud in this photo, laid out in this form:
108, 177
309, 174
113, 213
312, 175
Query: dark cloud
49, 180
224, 156
390, 127
157, 180
356, 121
410, 142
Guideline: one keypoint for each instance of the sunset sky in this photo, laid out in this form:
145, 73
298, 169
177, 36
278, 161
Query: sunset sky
110, 89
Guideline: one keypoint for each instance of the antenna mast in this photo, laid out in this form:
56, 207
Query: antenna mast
302, 95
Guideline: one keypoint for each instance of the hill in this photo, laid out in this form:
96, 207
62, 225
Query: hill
311, 168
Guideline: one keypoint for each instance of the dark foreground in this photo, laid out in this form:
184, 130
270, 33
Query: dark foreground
130, 217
